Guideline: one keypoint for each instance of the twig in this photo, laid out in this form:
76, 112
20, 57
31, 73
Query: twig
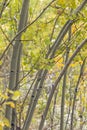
5, 4
5, 34
57, 81
28, 25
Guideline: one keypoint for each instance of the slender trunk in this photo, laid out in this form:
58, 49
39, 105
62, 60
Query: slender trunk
53, 111
57, 81
65, 29
50, 54
14, 61
70, 102
43, 75
75, 94
14, 115
34, 102
64, 86
63, 97
34, 92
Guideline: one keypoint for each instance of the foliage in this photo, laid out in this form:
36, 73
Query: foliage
37, 41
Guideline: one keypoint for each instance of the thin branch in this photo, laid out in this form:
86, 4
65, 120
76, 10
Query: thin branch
55, 24
5, 34
64, 30
52, 51
75, 93
58, 80
4, 5
80, 7
28, 25
25, 98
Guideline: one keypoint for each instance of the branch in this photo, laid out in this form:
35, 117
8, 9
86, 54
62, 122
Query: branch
64, 30
28, 25
5, 4
57, 81
80, 7
5, 34
75, 93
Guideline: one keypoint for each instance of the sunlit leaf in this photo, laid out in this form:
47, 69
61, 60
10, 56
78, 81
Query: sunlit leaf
16, 95
6, 122
11, 104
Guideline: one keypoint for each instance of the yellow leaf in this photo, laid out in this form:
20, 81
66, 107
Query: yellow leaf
59, 61
74, 28
6, 122
1, 124
59, 64
3, 96
9, 91
11, 104
72, 65
16, 95
62, 2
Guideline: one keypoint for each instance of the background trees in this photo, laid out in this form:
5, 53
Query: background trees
43, 64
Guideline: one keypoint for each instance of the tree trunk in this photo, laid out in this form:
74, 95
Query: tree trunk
57, 81
15, 55
64, 86
75, 94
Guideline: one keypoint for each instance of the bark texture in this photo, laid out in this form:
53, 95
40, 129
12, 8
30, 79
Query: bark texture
15, 57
